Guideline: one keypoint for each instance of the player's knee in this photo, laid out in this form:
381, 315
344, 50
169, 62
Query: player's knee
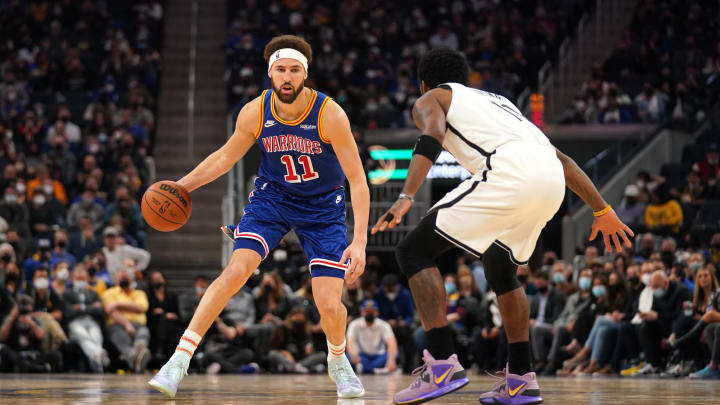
235, 274
500, 270
329, 307
411, 257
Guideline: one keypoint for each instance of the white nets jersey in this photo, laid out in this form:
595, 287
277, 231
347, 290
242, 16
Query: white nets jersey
518, 182
479, 122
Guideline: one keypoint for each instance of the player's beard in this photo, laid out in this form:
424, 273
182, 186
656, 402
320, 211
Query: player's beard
288, 98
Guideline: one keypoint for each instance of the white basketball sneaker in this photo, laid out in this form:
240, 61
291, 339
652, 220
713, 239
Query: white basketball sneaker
341, 372
169, 376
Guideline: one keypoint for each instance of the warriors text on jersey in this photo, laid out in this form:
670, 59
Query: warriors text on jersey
297, 156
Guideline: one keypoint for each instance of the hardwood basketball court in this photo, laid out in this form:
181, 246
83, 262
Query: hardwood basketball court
318, 390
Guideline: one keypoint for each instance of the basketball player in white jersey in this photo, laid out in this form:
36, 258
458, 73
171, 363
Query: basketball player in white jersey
518, 184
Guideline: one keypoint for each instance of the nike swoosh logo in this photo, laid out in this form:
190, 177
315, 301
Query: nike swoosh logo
515, 391
440, 379
269, 124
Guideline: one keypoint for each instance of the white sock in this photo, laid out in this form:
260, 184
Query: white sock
336, 351
188, 343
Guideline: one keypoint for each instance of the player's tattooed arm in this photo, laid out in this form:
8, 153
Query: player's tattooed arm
608, 224
223, 159
580, 183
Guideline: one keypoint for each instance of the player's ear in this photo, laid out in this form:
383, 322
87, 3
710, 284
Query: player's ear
423, 87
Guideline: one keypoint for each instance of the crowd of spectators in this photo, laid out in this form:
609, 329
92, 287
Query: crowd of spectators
658, 71
365, 53
78, 84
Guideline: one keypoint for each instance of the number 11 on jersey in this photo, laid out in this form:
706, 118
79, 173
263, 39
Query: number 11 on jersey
292, 176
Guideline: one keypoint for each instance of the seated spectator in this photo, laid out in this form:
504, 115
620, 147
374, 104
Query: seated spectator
42, 216
84, 315
60, 278
615, 113
86, 208
44, 298
371, 344
395, 306
663, 216
14, 210
115, 252
83, 242
21, 335
562, 278
710, 323
60, 253
668, 299
189, 302
353, 297
565, 321
49, 187
489, 346
163, 317
292, 347
650, 104
708, 168
545, 307
62, 162
631, 210
272, 305
13, 283
523, 276
223, 352
125, 205
126, 325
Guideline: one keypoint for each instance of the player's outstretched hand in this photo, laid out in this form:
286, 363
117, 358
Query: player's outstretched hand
611, 226
392, 217
356, 253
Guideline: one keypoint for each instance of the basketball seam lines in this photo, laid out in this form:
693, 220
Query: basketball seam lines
158, 214
178, 205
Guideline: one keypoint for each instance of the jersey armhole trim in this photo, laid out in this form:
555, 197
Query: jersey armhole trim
319, 124
261, 116
447, 86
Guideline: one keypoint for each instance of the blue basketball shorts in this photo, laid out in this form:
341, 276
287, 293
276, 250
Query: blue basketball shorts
318, 221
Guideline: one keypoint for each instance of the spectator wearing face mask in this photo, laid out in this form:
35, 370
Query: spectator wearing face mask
292, 347
353, 297
71, 130
14, 211
96, 276
49, 186
667, 307
663, 216
84, 314
163, 316
41, 258
372, 347
126, 308
60, 252
545, 307
13, 283
523, 276
631, 210
395, 306
87, 207
709, 167
562, 278
565, 321
272, 299
62, 160
60, 278
44, 298
190, 301
42, 216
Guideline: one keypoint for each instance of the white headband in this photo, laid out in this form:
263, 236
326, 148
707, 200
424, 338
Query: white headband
288, 53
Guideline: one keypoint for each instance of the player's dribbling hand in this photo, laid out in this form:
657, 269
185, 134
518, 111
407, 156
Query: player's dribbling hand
392, 217
610, 226
356, 253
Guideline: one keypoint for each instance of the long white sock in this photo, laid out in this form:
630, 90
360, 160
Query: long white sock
337, 351
188, 343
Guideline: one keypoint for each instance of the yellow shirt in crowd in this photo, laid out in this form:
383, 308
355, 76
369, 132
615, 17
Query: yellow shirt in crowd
668, 214
137, 297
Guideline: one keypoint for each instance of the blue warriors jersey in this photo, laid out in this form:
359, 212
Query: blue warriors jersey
297, 156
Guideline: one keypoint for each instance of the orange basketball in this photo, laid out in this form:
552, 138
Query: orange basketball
166, 206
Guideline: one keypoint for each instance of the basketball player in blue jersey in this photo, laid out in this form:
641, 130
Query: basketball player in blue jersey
307, 151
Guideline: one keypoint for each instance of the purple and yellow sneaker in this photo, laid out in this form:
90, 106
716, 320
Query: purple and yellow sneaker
435, 379
513, 389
